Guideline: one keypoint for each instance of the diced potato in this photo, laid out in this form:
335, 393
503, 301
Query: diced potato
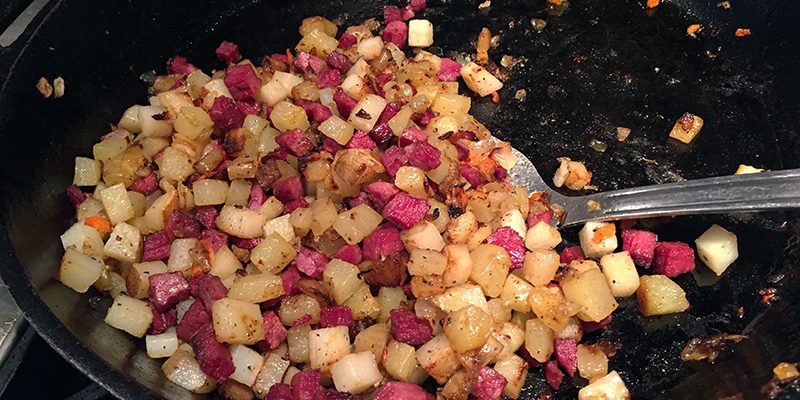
420, 34
156, 216
590, 290
356, 373
400, 361
515, 293
573, 330
373, 339
412, 181
288, 80
271, 209
592, 362
370, 48
174, 164
460, 296
658, 295
273, 92
287, 116
478, 237
423, 236
337, 129
479, 80
572, 174
181, 254
193, 123
366, 112
389, 298
498, 309
438, 213
174, 101
598, 239
89, 207
324, 215
538, 340
298, 306
426, 262
461, 228
747, 169
297, 340
124, 243
162, 345
718, 248
425, 286
301, 219
458, 265
490, 268
87, 172
137, 279
542, 236
84, 239
357, 223
400, 121
620, 273
130, 315
209, 192
342, 279
686, 128
130, 119
238, 193
243, 167
318, 40
468, 328
247, 363
363, 304
117, 203
512, 336
514, 220
515, 370
549, 304
355, 86
539, 266
79, 271
271, 373
609, 387
327, 346
241, 222
438, 359
139, 202
224, 263
184, 370
236, 321
451, 104
290, 373
213, 89
280, 226
458, 386
152, 127
256, 288
273, 254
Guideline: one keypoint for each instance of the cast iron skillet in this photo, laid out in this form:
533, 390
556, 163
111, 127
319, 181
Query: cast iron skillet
602, 64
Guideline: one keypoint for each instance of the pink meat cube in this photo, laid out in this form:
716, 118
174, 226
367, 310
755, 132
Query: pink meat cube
350, 253
393, 158
422, 119
418, 5
552, 374
292, 205
470, 174
353, 202
242, 81
225, 114
640, 244
329, 78
275, 332
145, 185
207, 216
296, 142
305, 384
257, 197
331, 146
228, 52
423, 155
490, 385
289, 189
180, 225
162, 321
316, 111
591, 326
193, 319
570, 254
207, 288
407, 13
396, 390
525, 355
347, 41
167, 289
309, 63
539, 216
336, 316
156, 246
180, 65
279, 391
499, 172
412, 134
391, 14
361, 140
339, 61
673, 258
405, 211
215, 238
408, 328
76, 196
214, 357
289, 278
249, 106
396, 32
344, 103
512, 242
449, 71
311, 262
381, 193
566, 352
382, 242
247, 244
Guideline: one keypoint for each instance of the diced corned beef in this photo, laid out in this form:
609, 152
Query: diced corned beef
180, 65
552, 374
305, 384
406, 13
422, 119
249, 106
76, 196
162, 321
570, 254
405, 211
257, 197
499, 172
408, 292
277, 154
408, 328
383, 241
306, 318
490, 385
215, 238
279, 391
308, 63
180, 225
331, 146
214, 357
296, 142
381, 193
449, 71
347, 41
344, 103
566, 352
391, 14
417, 5
353, 202
673, 258
315, 111
228, 52
289, 189
290, 206
512, 242
397, 390
525, 355
539, 216
591, 326
156, 246
311, 262
463, 151
247, 244
350, 253
361, 140
193, 319
412, 134
382, 80
396, 32
329, 78
470, 174
145, 185
381, 133
225, 114
274, 331
336, 316
640, 244
423, 155
393, 158
167, 289
289, 278
207, 288
339, 61
242, 81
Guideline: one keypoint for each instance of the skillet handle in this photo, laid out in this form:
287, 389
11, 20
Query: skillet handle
773, 190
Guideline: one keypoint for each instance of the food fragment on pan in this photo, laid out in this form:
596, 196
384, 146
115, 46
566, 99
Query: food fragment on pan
742, 32
725, 5
785, 371
708, 348
538, 24
623, 133
486, 4
686, 128
482, 46
572, 174
784, 375
58, 87
747, 169
44, 87
692, 30
652, 3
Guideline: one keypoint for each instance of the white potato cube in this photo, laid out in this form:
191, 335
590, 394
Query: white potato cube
281, 226
271, 373
273, 92
438, 359
659, 295
542, 236
289, 81
400, 361
162, 345
124, 243
718, 248
224, 263
236, 321
342, 279
247, 362
326, 346
84, 239
363, 304
87, 172
423, 235
356, 373
184, 370
355, 86
514, 220
460, 296
117, 203
209, 192
515, 370
130, 315
596, 248
79, 271
479, 80
156, 216
609, 387
337, 129
420, 33
620, 273
181, 254
241, 222
370, 48
272, 254
426, 262
366, 112
256, 288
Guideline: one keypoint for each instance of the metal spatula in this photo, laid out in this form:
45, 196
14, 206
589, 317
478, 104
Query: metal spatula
775, 190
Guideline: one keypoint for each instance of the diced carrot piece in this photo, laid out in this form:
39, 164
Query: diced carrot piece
604, 232
99, 223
